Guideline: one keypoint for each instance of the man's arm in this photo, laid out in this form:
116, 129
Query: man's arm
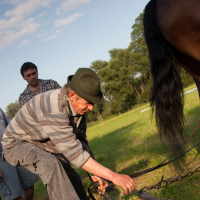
57, 127
55, 85
121, 180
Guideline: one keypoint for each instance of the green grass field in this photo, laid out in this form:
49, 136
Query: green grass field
129, 143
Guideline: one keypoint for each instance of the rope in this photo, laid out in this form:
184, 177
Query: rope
137, 174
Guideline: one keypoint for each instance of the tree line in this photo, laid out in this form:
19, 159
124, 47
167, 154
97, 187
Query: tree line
126, 79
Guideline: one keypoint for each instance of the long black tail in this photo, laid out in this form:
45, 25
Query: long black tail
167, 86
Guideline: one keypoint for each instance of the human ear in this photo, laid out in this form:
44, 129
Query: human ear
72, 95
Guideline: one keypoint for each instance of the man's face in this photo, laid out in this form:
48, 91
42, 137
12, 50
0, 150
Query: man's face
80, 105
31, 76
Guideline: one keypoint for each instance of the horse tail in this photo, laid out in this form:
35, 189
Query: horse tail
167, 86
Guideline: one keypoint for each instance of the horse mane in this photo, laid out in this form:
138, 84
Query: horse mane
167, 86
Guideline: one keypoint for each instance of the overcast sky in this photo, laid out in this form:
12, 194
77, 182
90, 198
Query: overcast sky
59, 36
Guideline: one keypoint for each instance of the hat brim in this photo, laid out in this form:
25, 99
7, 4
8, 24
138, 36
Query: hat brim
88, 97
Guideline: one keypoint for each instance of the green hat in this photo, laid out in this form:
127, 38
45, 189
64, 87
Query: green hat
86, 83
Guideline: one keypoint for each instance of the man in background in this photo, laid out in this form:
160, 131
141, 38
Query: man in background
35, 86
14, 181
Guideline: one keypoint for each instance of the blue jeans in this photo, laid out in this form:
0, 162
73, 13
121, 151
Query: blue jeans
16, 180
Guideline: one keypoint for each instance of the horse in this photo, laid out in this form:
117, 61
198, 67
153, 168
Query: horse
172, 34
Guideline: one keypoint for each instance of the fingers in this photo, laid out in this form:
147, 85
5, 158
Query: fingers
128, 189
102, 186
125, 190
130, 185
105, 185
126, 182
100, 182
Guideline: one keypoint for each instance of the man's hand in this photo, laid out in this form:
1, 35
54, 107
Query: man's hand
124, 181
1, 175
100, 180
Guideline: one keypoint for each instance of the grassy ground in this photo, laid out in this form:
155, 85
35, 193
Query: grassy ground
129, 143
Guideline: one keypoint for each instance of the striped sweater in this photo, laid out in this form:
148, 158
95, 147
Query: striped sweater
50, 122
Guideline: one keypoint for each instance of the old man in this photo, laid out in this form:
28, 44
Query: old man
49, 133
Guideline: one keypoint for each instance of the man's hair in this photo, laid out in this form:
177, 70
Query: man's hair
26, 66
67, 90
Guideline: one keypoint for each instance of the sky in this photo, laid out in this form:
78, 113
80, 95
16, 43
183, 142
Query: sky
59, 36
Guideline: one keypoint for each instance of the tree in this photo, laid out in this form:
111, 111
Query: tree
12, 109
113, 52
98, 64
140, 61
186, 78
116, 84
126, 78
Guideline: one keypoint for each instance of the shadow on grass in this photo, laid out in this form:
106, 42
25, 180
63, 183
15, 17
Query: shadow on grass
192, 121
188, 187
122, 145
116, 147
119, 146
185, 189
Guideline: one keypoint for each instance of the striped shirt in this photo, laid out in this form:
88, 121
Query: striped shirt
50, 122
29, 94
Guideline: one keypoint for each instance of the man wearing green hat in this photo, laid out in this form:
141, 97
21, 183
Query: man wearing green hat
49, 132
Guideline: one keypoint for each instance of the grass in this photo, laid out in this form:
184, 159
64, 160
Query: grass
129, 143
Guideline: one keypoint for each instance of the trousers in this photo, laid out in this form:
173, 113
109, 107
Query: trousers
62, 182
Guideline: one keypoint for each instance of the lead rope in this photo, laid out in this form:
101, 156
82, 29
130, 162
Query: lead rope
94, 185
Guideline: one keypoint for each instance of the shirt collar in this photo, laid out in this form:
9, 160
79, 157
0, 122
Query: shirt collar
28, 91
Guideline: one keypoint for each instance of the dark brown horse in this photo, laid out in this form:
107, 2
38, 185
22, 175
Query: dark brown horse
172, 33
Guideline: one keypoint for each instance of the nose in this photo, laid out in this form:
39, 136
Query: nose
90, 107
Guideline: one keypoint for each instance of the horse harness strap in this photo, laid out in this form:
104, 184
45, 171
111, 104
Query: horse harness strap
137, 174
163, 163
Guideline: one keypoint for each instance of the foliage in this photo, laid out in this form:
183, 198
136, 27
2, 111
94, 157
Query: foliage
186, 78
136, 146
98, 64
126, 78
12, 109
103, 109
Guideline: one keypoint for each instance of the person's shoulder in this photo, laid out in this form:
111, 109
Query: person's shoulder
47, 81
24, 92
51, 83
